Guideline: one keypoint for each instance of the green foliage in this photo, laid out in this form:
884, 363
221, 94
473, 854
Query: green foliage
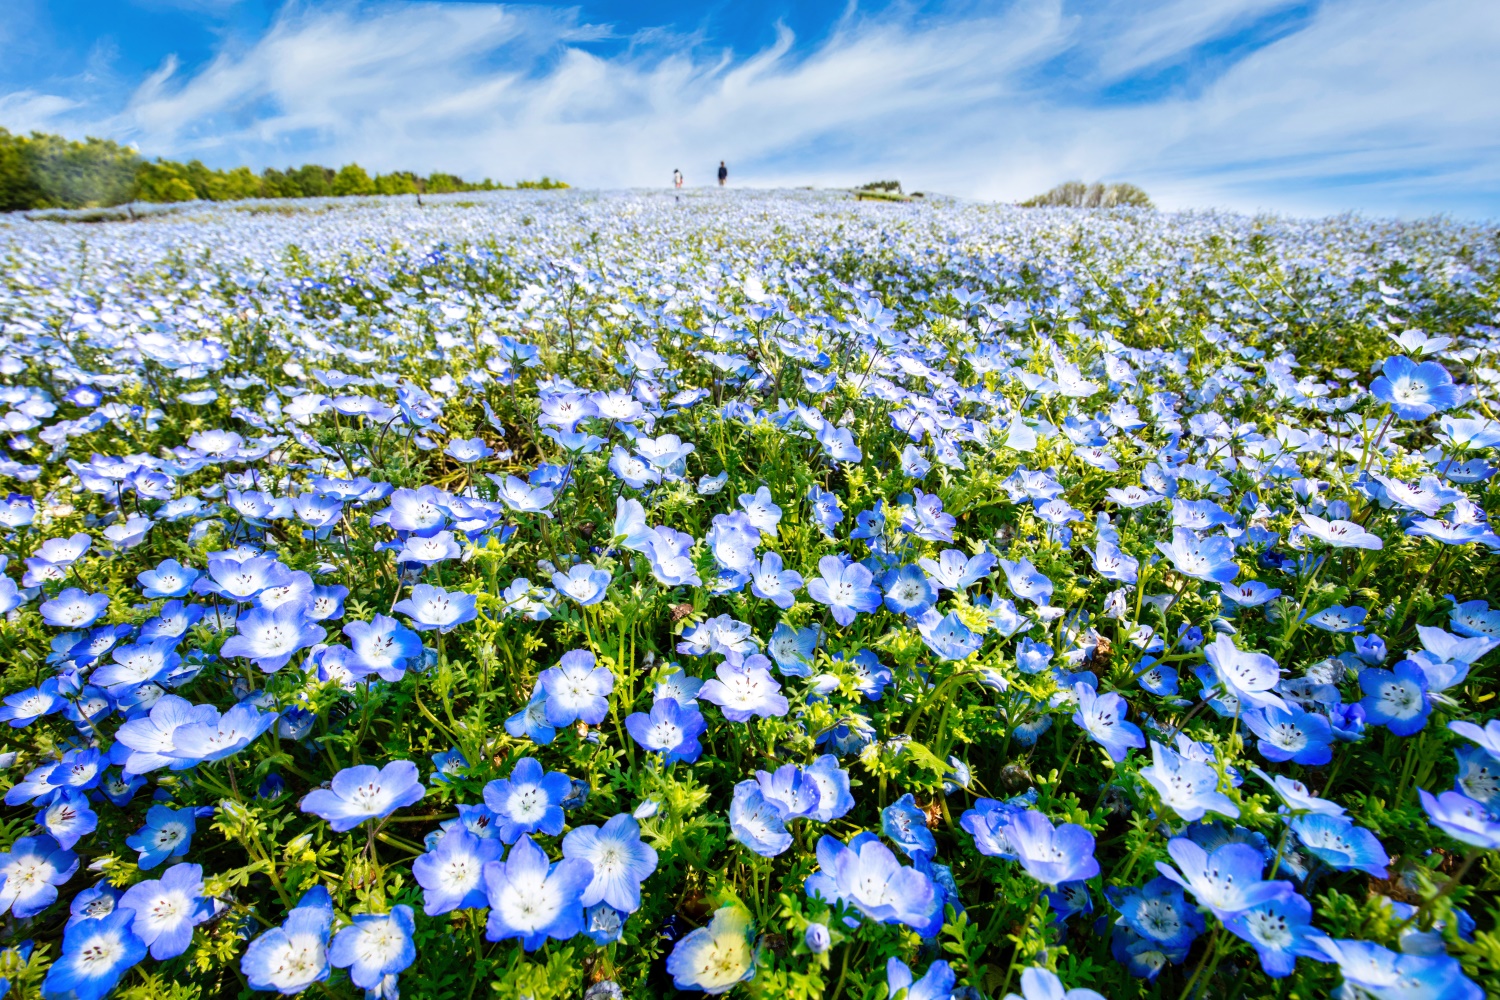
48, 171
1076, 194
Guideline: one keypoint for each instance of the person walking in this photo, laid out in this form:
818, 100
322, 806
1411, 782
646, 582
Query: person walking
723, 173
677, 179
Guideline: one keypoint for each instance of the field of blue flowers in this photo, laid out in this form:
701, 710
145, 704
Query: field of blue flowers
579, 595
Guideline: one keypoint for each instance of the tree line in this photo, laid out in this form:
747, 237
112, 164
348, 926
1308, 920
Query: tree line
51, 171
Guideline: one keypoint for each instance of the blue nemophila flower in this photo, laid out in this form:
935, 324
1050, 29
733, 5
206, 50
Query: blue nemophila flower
832, 781
1188, 787
168, 833
631, 469
756, 821
1026, 581
620, 861
1291, 734
771, 582
522, 498
364, 792
670, 729
744, 688
1376, 971
140, 663
68, 817
290, 958
1396, 698
670, 553
678, 686
241, 578
79, 768
30, 873
866, 875
848, 589
1032, 657
532, 898
1487, 738
925, 518
947, 635
1158, 912
1250, 594
791, 790
169, 579
952, 570
986, 824
826, 513
1247, 677
914, 463
1038, 983
576, 689
531, 721
529, 801
733, 540
761, 510
936, 983
1464, 819
375, 948
1279, 931
906, 826
74, 609
269, 638
1103, 718
148, 742
167, 909
717, 957
429, 550
1295, 796
1051, 855
381, 646
210, 736
1414, 391
817, 938
584, 583
431, 607
1341, 534
1336, 618
451, 873
95, 954
908, 591
793, 649
1225, 882
1209, 559
1340, 844
99, 900
172, 621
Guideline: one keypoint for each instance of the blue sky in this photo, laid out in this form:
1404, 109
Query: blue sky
1300, 106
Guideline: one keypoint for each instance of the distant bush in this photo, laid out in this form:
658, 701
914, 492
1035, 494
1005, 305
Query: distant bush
1076, 194
49, 171
891, 186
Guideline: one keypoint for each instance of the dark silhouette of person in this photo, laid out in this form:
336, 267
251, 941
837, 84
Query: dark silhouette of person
723, 173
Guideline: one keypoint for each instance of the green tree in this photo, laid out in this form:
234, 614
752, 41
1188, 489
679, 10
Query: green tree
1076, 194
314, 181
164, 181
397, 183
352, 179
18, 187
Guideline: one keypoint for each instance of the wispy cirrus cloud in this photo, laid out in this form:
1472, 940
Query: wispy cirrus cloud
1379, 105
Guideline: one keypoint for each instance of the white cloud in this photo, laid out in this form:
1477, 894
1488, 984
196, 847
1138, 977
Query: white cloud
1385, 105
26, 110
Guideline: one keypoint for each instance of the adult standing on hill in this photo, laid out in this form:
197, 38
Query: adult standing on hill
723, 173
